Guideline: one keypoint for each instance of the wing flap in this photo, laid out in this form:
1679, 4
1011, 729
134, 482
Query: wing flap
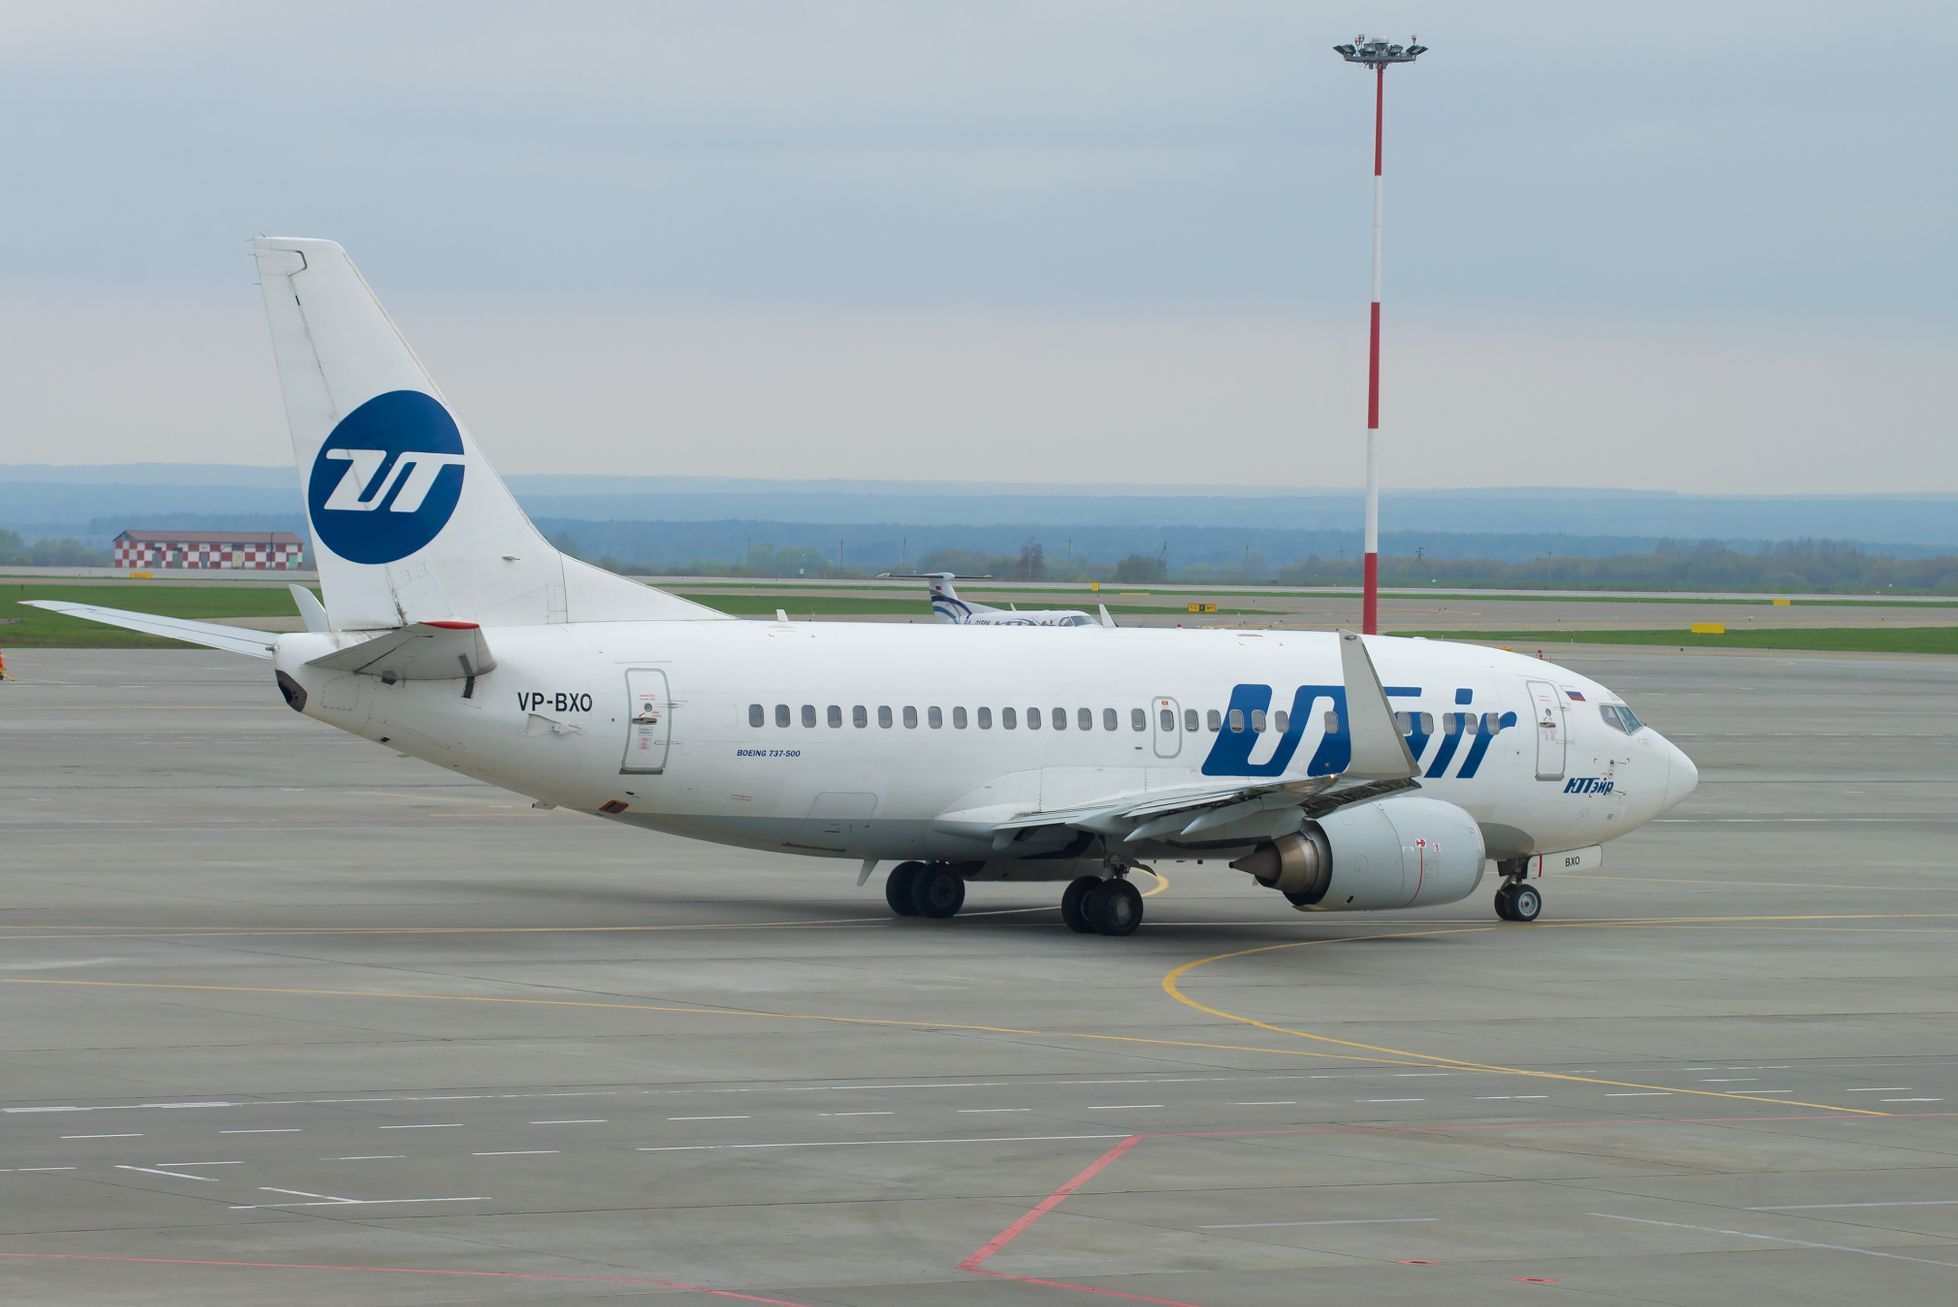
211, 635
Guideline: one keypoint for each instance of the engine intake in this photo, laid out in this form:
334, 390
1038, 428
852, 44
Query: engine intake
1391, 853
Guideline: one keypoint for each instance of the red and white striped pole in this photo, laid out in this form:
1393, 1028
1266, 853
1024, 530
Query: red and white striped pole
1375, 55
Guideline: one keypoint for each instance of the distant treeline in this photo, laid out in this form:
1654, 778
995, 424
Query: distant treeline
1194, 555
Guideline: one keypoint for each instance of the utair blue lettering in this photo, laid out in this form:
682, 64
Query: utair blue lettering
1324, 707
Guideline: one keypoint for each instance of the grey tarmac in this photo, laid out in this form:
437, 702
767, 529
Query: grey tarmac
286, 1017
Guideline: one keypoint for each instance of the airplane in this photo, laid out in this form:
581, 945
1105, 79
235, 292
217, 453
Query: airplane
1344, 772
949, 607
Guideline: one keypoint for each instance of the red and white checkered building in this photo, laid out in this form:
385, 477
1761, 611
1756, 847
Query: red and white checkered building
276, 551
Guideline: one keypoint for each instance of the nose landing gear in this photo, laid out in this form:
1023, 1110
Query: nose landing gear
1518, 900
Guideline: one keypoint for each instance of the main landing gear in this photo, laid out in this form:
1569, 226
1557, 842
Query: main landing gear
925, 889
1518, 900
1094, 906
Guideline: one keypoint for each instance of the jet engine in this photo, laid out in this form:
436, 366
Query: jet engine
1391, 853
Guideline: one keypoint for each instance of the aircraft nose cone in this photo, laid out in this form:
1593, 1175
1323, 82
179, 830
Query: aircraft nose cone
1682, 778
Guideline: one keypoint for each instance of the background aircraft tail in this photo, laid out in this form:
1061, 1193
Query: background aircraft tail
409, 520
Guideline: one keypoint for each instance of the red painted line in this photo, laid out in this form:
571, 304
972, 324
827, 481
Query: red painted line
1373, 368
1085, 1288
1379, 112
413, 1270
1048, 1204
1370, 594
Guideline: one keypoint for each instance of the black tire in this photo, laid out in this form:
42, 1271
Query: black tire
937, 891
1074, 909
1115, 908
1525, 903
1503, 896
897, 888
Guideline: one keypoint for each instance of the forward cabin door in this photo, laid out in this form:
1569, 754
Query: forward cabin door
650, 722
1548, 707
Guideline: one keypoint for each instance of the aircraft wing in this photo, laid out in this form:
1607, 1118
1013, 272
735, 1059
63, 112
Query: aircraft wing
1223, 811
422, 651
212, 635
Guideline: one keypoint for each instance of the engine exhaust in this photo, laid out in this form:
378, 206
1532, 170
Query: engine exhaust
1298, 866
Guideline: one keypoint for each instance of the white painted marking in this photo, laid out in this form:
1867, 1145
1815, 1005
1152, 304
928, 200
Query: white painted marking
1276, 1225
1269, 1102
1773, 1091
1504, 1098
1122, 1107
23, 1170
367, 1157
1393, 1100
353, 1202
174, 1175
517, 1152
1728, 1080
1881, 1089
1818, 1207
200, 1163
710, 1118
102, 1136
425, 1125
281, 1130
874, 1143
861, 1113
986, 1111
1769, 1238
301, 1193
1910, 1100
595, 1120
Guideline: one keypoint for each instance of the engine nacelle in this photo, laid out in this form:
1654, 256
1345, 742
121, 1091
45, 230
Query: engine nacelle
1391, 853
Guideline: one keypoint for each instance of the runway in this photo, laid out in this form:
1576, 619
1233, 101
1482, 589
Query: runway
284, 1016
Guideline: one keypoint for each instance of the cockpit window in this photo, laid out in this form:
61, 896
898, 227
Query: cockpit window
1621, 717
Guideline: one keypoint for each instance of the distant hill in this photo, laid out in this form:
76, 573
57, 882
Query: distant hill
672, 519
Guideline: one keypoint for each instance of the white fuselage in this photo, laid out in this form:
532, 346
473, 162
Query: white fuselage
889, 742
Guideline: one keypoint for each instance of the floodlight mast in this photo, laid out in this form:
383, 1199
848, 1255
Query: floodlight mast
1375, 54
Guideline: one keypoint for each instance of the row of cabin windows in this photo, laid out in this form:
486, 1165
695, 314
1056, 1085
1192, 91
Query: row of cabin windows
1236, 720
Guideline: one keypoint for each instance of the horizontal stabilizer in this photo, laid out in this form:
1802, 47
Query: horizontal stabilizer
212, 635
425, 651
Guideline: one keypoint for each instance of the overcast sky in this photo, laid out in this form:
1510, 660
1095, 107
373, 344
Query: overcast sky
1683, 246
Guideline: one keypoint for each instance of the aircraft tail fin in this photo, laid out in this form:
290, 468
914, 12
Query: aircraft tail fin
409, 520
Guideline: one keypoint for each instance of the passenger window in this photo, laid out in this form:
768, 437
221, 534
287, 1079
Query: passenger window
1190, 720
1332, 722
1168, 720
958, 719
1085, 719
1138, 720
1281, 721
1452, 723
860, 716
910, 718
1007, 719
755, 717
808, 714
1403, 723
781, 714
835, 715
1033, 719
1491, 723
1258, 719
884, 716
1214, 719
935, 718
985, 719
1427, 723
1059, 719
1237, 721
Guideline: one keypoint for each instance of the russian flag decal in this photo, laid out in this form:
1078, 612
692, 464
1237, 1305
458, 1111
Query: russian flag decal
1575, 695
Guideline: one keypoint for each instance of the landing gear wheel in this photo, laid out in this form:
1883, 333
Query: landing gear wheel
897, 888
1074, 910
1114, 908
1525, 903
1504, 894
937, 891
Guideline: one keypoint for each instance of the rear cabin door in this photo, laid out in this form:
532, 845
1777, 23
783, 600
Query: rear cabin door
1167, 723
1548, 707
649, 725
